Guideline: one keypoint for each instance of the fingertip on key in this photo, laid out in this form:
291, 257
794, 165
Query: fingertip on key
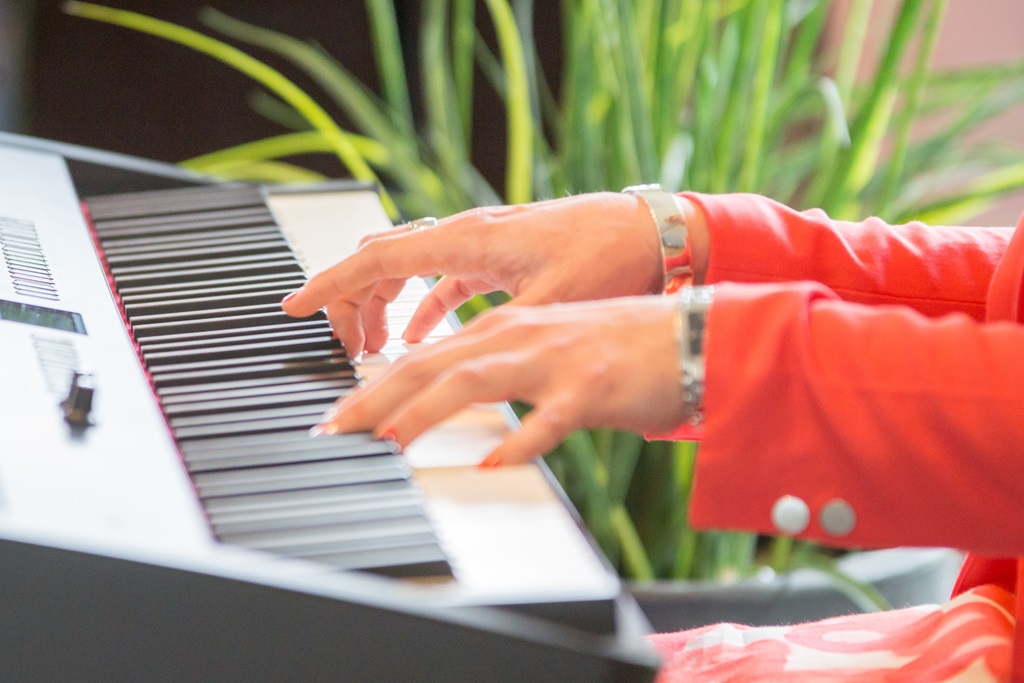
288, 303
324, 429
491, 461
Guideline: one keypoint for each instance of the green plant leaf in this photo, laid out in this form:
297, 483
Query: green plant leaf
519, 158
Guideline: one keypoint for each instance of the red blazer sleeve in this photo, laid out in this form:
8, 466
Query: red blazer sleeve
934, 270
912, 420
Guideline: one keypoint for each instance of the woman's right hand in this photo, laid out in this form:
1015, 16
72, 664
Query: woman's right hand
611, 363
584, 247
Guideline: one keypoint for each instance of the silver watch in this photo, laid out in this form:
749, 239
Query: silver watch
693, 308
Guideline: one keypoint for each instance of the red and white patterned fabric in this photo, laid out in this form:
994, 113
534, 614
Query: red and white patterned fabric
968, 639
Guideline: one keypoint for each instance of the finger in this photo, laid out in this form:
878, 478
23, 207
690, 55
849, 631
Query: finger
422, 253
366, 408
489, 379
542, 430
399, 230
374, 314
448, 294
347, 322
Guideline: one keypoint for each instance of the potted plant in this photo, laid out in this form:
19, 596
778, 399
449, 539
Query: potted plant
715, 97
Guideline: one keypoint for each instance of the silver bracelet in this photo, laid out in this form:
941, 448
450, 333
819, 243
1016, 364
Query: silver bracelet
670, 222
693, 307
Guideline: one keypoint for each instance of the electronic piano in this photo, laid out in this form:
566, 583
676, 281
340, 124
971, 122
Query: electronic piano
164, 512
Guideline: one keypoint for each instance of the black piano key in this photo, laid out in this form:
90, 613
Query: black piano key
322, 343
299, 363
316, 323
283, 440
288, 423
207, 293
174, 257
235, 507
224, 448
415, 561
238, 412
268, 392
216, 323
202, 297
149, 241
173, 270
176, 309
155, 350
215, 284
174, 202
288, 363
385, 550
334, 352
322, 397
249, 373
225, 312
330, 352
141, 227
207, 239
337, 538
282, 264
307, 475
313, 451
341, 511
258, 415
340, 372
200, 274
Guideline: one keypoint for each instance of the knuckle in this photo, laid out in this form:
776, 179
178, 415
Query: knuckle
407, 367
562, 344
556, 418
500, 317
415, 414
366, 239
434, 303
374, 252
469, 376
350, 411
480, 214
462, 289
594, 377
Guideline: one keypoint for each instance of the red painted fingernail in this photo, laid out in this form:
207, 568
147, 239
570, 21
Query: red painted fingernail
492, 460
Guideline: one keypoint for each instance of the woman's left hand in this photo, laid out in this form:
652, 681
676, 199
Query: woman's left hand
607, 363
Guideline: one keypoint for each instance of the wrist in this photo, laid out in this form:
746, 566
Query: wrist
697, 229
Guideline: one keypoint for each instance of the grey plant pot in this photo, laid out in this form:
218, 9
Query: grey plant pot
905, 576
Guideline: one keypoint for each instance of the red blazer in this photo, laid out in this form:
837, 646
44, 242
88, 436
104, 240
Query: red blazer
865, 382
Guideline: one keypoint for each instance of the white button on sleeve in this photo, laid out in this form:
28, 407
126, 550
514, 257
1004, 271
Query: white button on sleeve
790, 515
837, 517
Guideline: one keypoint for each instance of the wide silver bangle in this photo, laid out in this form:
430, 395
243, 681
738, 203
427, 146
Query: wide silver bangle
693, 307
670, 222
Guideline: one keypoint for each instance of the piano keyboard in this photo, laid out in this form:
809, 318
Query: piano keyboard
200, 274
173, 505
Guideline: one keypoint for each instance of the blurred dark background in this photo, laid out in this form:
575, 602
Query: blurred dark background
93, 84
80, 81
